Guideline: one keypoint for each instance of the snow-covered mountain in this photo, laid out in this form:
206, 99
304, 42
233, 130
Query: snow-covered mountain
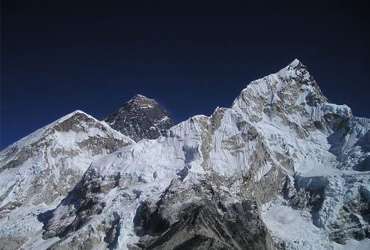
282, 168
38, 171
141, 117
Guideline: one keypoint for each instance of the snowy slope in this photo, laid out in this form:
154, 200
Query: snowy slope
39, 170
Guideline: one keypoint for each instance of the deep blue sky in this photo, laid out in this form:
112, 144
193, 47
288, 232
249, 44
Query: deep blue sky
59, 56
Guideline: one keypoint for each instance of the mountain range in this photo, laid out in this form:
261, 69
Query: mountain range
282, 168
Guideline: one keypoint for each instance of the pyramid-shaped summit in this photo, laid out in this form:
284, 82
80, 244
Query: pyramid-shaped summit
141, 118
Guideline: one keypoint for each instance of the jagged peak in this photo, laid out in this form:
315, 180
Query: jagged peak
295, 67
293, 81
140, 117
292, 74
295, 70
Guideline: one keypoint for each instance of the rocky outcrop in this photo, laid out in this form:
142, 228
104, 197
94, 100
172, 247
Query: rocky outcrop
209, 222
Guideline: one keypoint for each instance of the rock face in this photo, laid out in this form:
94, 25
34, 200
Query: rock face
39, 170
207, 222
140, 118
281, 169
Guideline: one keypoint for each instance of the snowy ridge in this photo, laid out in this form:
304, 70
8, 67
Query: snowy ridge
36, 135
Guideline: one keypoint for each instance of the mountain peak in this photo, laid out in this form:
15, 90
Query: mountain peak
141, 102
295, 67
140, 97
141, 118
75, 114
296, 62
292, 91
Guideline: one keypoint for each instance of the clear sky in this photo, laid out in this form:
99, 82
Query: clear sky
59, 56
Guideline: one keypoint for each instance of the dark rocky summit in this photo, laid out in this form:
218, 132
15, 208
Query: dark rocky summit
140, 118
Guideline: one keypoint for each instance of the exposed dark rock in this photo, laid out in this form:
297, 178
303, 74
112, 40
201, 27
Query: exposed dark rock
313, 100
147, 221
349, 224
202, 226
23, 155
364, 142
209, 223
73, 123
140, 118
308, 193
183, 173
363, 165
113, 232
81, 202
